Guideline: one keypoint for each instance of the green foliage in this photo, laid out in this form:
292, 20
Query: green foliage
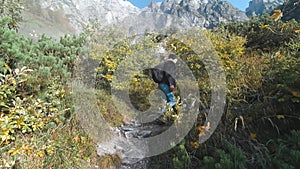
110, 62
243, 73
292, 47
261, 62
268, 69
121, 49
49, 59
11, 9
108, 110
251, 74
285, 152
264, 32
230, 156
13, 116
283, 78
260, 58
36, 102
181, 159
243, 78
112, 48
65, 146
281, 40
32, 116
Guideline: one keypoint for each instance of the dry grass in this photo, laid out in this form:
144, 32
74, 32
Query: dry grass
109, 162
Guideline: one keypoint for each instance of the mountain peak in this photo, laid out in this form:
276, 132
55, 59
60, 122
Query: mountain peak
203, 13
78, 11
168, 14
258, 7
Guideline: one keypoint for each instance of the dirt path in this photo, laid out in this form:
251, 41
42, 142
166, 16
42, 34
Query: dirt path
127, 142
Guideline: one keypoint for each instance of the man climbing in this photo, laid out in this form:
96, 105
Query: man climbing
164, 74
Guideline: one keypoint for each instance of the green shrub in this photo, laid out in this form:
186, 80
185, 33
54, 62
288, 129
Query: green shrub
283, 80
285, 152
36, 103
12, 9
264, 32
229, 157
181, 159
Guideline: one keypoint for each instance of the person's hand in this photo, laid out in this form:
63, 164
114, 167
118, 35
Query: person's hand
172, 87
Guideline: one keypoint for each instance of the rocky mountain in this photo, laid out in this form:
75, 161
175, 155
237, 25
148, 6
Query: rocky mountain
183, 14
258, 7
105, 11
56, 17
203, 13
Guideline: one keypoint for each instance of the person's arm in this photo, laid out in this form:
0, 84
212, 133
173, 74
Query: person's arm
170, 67
171, 81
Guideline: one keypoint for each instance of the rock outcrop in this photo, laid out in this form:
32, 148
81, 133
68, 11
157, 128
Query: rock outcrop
201, 13
258, 7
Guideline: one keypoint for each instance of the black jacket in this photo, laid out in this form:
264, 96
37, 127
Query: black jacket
169, 68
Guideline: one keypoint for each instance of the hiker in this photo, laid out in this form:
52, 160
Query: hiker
163, 74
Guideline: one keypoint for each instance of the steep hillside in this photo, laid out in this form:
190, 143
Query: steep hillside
67, 16
38, 21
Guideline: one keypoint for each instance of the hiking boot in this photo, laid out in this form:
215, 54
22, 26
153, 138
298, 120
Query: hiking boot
162, 110
174, 109
160, 122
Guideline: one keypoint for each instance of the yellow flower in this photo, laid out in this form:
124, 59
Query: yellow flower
201, 128
202, 133
7, 67
253, 135
109, 77
207, 127
40, 154
50, 151
277, 15
195, 144
13, 152
297, 31
14, 24
294, 92
264, 26
280, 116
77, 138
284, 25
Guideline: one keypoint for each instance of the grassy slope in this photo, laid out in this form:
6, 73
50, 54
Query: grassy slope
43, 21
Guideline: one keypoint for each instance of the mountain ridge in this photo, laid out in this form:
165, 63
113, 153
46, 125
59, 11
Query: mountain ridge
71, 15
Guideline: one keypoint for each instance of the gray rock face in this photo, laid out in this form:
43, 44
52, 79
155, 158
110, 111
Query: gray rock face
78, 12
182, 15
125, 147
105, 11
202, 13
68, 16
258, 7
153, 21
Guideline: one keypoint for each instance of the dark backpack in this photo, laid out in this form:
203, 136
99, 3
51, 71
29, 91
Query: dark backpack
157, 75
